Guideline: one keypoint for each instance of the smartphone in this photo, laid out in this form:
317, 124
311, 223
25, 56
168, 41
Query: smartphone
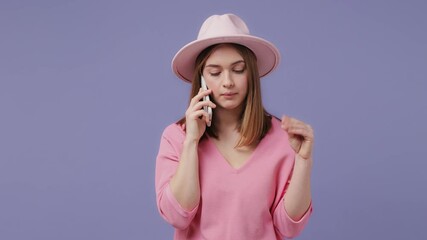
206, 98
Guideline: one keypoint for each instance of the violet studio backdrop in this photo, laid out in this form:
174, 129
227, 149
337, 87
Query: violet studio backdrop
86, 90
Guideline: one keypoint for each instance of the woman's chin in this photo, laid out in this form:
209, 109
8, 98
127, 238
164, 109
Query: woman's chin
228, 107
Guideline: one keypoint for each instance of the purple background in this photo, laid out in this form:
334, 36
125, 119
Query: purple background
86, 90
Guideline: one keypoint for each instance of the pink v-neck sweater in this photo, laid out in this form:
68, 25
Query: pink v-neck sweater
235, 204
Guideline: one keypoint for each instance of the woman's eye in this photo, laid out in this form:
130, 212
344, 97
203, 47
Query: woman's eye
215, 74
239, 70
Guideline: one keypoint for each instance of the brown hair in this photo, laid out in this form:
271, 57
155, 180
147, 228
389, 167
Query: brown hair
255, 121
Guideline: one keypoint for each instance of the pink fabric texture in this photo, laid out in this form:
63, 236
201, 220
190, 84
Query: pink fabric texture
244, 203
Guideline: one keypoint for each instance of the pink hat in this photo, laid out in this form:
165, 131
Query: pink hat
227, 28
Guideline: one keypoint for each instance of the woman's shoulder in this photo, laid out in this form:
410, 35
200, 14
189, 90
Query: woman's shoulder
276, 128
277, 138
275, 120
174, 131
275, 123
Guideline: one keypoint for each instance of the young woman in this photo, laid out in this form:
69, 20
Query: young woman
242, 174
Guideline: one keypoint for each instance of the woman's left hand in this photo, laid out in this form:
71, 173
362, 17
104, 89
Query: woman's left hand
301, 136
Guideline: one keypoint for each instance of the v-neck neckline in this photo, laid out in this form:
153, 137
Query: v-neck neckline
246, 162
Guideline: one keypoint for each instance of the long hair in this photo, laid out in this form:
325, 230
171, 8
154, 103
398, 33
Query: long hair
254, 121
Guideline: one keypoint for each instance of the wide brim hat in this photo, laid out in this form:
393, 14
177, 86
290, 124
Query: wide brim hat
227, 28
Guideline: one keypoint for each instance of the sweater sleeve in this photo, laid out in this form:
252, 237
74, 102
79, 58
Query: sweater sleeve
166, 164
288, 227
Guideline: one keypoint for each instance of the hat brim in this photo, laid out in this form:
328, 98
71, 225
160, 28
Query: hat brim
268, 56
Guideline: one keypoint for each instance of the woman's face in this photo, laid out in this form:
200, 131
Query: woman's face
225, 73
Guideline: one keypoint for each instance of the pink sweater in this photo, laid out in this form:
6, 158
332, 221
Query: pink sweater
236, 204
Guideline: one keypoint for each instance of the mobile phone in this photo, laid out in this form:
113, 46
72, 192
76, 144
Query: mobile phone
206, 98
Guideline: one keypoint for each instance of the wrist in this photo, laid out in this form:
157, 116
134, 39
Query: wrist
301, 162
189, 141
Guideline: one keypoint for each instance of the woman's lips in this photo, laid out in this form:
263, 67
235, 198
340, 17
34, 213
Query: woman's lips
228, 95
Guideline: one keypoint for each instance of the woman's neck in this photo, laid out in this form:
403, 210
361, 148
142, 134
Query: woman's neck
227, 120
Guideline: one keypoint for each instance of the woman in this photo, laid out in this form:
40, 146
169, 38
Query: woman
242, 174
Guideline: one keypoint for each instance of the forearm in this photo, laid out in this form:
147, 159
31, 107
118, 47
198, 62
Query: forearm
185, 183
298, 195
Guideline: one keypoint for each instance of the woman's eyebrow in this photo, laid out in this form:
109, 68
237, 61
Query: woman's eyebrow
217, 65
237, 62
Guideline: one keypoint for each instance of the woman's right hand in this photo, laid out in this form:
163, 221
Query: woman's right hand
196, 118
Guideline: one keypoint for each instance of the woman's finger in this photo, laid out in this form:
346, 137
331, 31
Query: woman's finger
199, 96
306, 149
202, 104
289, 121
304, 131
295, 141
301, 136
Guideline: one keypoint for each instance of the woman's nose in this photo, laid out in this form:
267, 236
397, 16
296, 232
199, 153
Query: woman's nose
227, 81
